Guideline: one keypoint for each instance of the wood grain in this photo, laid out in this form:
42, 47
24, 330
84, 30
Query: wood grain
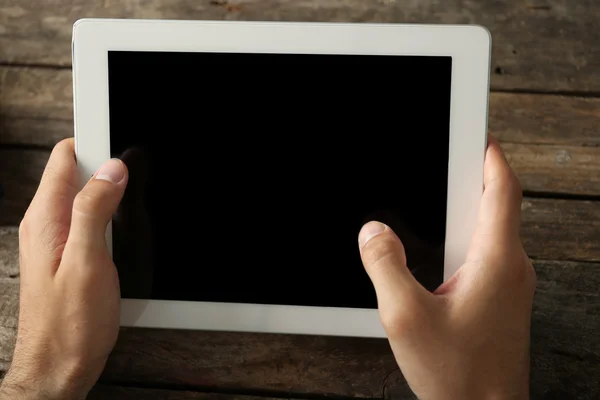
556, 169
553, 142
9, 255
545, 119
105, 392
561, 229
566, 310
36, 108
20, 173
36, 93
537, 45
33, 132
292, 364
552, 229
565, 348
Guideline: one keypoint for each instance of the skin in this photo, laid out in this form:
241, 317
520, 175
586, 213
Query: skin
470, 338
467, 340
69, 304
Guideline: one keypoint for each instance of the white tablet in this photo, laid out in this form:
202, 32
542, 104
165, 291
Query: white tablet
256, 152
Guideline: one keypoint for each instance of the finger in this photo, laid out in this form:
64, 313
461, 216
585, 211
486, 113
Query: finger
496, 236
384, 259
60, 172
47, 220
500, 208
95, 205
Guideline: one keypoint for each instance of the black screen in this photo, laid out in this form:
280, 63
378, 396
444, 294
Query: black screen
252, 174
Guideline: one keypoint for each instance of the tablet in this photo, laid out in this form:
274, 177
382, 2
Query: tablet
256, 152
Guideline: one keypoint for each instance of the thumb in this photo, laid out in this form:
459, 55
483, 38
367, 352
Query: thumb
96, 203
384, 259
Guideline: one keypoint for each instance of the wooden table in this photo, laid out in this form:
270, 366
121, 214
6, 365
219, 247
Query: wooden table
545, 109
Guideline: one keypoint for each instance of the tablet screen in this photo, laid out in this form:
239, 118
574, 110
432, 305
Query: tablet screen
252, 174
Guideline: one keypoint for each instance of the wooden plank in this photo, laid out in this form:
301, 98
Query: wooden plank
558, 169
552, 229
565, 348
539, 45
9, 318
552, 141
561, 229
545, 119
105, 392
256, 362
9, 293
36, 93
34, 131
9, 254
20, 173
36, 106
554, 169
37, 109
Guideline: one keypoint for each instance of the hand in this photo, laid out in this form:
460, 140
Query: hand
69, 304
470, 338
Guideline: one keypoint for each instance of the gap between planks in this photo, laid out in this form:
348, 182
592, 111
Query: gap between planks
493, 88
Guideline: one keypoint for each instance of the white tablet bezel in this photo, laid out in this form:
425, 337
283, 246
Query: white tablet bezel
470, 49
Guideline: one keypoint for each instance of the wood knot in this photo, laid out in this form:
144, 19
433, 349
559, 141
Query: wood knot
224, 3
563, 157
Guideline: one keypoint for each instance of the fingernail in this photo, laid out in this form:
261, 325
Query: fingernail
369, 231
111, 171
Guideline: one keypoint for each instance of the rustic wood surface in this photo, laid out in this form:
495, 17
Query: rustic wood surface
552, 228
102, 392
545, 119
36, 107
541, 168
544, 107
565, 348
539, 45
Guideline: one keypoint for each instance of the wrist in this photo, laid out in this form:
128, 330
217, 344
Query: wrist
22, 383
16, 390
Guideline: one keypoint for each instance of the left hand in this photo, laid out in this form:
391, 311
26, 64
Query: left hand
69, 300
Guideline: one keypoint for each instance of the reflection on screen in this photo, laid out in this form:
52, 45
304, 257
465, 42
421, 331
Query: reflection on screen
252, 174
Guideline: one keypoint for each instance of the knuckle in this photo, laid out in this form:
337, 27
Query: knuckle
399, 321
512, 185
520, 272
24, 228
86, 203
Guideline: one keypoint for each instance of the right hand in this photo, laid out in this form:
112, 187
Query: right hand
470, 338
